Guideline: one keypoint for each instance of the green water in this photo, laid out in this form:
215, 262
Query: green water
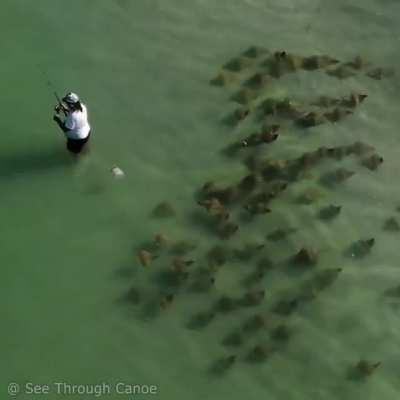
69, 232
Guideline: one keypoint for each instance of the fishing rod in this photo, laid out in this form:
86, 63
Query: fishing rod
60, 106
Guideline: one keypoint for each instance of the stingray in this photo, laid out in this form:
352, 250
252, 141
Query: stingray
359, 148
282, 63
372, 162
393, 292
254, 323
329, 212
319, 61
145, 257
309, 196
341, 72
252, 298
163, 210
358, 63
222, 365
362, 370
287, 108
337, 153
132, 296
160, 240
267, 135
226, 304
182, 247
225, 195
311, 119
380, 73
232, 149
255, 52
180, 264
238, 64
248, 184
226, 230
284, 108
257, 208
245, 96
360, 248
280, 234
167, 300
274, 169
240, 114
366, 367
171, 278
269, 107
325, 278
234, 339
354, 100
287, 306
215, 208
337, 176
260, 353
306, 161
337, 114
325, 101
281, 333
248, 251
203, 281
201, 320
271, 191
258, 80
223, 79
218, 256
391, 225
263, 266
306, 257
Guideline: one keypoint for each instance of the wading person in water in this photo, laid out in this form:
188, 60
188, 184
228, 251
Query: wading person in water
75, 124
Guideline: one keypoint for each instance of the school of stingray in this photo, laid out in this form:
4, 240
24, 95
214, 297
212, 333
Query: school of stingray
177, 267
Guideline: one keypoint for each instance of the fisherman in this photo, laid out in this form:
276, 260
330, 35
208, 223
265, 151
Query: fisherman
75, 124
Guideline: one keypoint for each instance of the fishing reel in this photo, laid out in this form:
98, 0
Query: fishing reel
60, 108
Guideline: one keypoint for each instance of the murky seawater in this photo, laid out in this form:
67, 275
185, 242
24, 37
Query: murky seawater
70, 232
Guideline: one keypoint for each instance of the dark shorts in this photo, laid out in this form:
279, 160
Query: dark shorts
77, 145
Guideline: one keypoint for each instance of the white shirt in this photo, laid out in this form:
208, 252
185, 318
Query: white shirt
77, 123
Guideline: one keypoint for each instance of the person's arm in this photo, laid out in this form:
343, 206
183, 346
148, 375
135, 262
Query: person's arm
68, 124
60, 123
